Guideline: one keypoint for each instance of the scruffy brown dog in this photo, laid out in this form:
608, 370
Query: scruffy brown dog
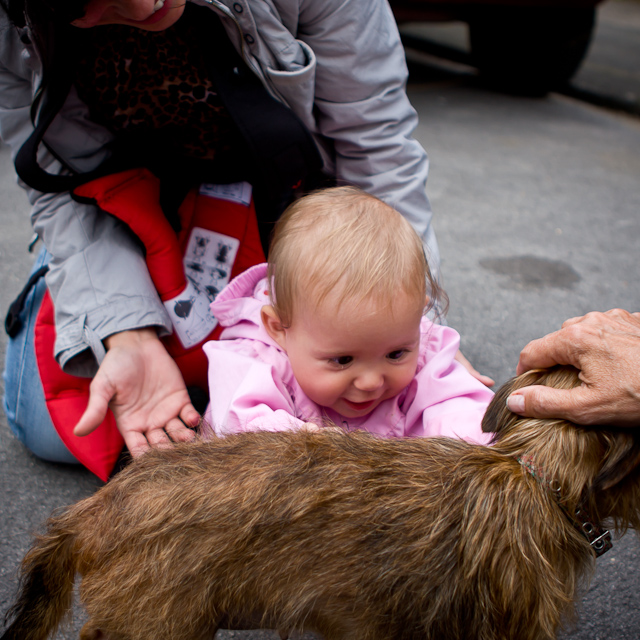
345, 534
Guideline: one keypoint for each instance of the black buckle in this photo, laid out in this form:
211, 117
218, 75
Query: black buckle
12, 323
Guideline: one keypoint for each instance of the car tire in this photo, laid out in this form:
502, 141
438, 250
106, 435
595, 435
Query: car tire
529, 50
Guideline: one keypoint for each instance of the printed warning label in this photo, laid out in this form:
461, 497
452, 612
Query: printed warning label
208, 261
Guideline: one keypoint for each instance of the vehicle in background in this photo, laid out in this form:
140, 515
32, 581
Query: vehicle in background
521, 46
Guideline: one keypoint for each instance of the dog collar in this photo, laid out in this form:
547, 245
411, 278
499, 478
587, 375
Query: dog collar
598, 538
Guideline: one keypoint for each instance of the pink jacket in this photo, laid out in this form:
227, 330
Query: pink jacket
252, 387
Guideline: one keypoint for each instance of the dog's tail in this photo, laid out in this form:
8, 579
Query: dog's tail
46, 584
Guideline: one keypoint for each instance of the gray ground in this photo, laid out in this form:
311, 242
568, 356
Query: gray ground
536, 205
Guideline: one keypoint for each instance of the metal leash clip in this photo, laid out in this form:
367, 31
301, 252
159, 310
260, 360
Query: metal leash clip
599, 539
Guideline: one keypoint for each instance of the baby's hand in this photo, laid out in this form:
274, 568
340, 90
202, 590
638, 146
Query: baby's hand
486, 380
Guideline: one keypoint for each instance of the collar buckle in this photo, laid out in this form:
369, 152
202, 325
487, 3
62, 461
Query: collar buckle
599, 539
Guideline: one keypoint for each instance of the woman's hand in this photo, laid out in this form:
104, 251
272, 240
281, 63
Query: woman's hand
486, 380
606, 349
144, 388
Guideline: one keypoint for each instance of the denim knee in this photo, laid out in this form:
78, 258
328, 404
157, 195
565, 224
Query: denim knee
23, 401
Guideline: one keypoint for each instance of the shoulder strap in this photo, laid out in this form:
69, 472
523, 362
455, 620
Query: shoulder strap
284, 151
59, 79
26, 162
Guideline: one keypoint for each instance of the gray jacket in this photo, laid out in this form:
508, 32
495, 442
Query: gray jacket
338, 64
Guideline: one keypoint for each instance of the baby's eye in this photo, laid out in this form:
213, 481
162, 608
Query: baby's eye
342, 361
396, 355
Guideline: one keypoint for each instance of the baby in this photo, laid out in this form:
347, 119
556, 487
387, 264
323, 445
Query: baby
333, 330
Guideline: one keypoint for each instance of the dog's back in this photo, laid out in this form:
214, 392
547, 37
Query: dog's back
340, 533
344, 534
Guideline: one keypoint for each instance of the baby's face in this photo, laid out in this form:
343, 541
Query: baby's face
350, 359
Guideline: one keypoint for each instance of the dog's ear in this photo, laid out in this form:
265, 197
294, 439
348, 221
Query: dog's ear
498, 417
621, 462
497, 412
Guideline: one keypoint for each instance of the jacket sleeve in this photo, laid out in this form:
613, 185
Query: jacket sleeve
98, 279
361, 105
444, 398
247, 391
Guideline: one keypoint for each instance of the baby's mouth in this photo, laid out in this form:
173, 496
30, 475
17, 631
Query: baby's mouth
359, 406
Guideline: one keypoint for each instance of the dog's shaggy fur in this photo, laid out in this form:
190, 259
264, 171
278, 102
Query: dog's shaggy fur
344, 534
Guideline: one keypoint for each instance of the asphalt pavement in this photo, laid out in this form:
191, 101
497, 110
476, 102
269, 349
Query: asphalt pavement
536, 206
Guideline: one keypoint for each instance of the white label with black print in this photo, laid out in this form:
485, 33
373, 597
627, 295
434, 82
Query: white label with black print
208, 261
239, 192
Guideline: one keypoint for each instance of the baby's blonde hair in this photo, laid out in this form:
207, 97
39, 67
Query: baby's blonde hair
345, 241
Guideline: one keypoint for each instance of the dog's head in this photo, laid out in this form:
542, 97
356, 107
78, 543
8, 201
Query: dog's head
598, 464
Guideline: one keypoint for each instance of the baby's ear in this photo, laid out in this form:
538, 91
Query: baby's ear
273, 326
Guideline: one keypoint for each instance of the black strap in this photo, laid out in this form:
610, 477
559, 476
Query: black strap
284, 151
53, 96
12, 322
59, 77
28, 169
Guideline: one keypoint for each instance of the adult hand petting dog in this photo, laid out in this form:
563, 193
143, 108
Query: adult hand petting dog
144, 388
605, 347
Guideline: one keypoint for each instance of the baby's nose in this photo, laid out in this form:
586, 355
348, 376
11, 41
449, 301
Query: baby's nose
369, 381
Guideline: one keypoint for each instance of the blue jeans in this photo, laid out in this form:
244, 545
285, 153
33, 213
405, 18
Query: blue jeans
23, 395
